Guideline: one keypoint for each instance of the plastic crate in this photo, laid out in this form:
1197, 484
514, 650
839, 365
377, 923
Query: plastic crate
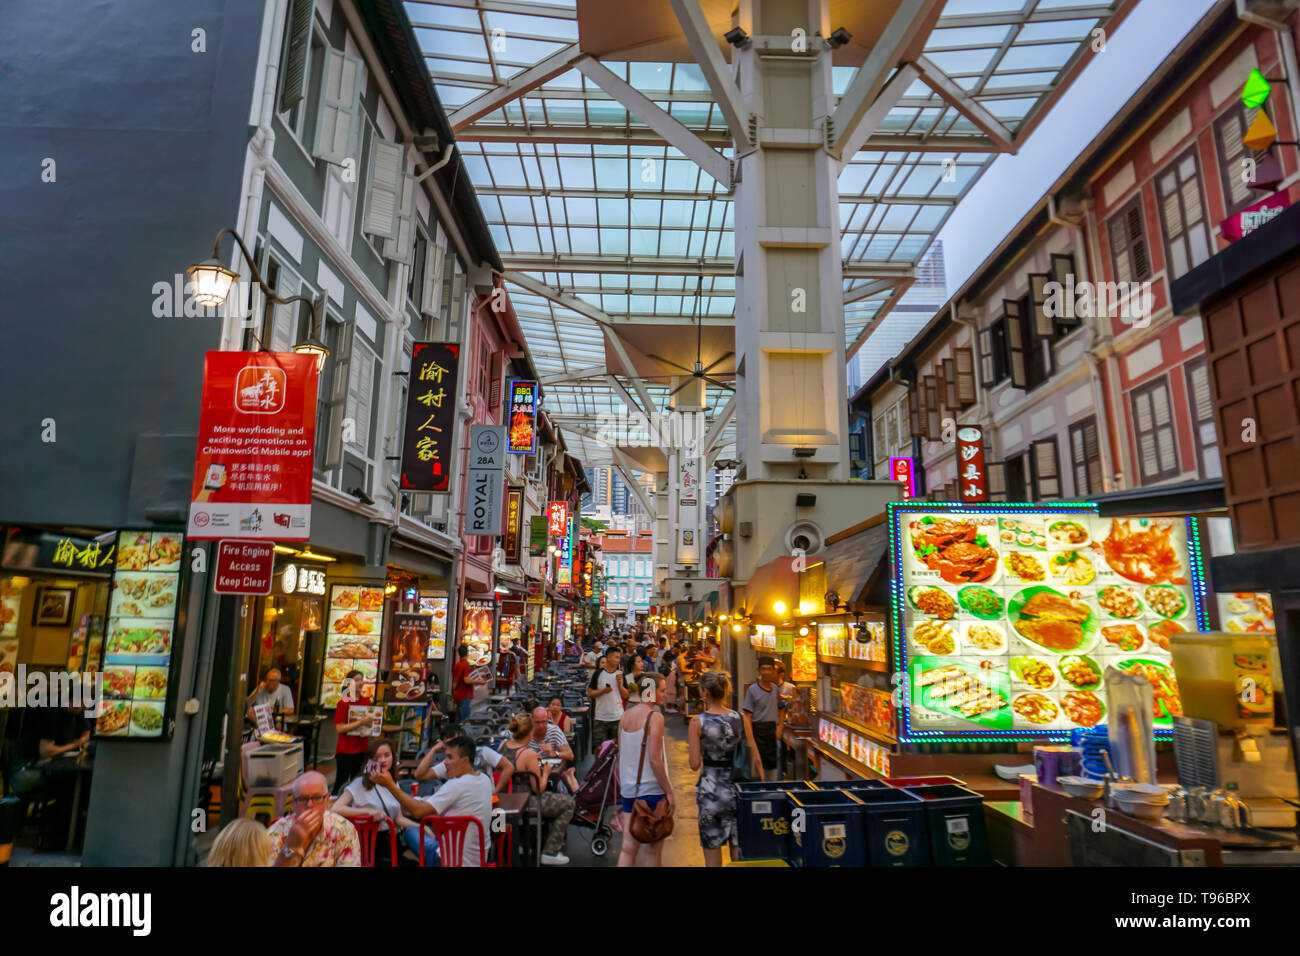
832, 831
852, 786
955, 817
896, 826
763, 818
923, 781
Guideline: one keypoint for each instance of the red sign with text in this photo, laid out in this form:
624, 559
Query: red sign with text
257, 438
244, 567
558, 512
972, 476
900, 469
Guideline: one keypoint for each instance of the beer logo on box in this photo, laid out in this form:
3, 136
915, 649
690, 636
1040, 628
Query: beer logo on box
959, 841
260, 390
834, 847
896, 842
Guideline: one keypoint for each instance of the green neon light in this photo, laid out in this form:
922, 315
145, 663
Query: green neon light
1256, 90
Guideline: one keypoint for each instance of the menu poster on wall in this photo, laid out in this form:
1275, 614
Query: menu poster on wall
1246, 612
1006, 619
408, 657
11, 599
803, 662
143, 601
436, 608
476, 631
354, 632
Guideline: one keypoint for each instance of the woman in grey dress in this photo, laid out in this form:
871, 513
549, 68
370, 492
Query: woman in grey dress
714, 736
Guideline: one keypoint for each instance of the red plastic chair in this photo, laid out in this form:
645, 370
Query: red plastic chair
368, 834
503, 842
450, 832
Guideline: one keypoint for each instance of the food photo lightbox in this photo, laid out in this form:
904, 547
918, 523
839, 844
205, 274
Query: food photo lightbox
1004, 617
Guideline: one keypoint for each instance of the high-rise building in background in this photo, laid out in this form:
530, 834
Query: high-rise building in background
905, 320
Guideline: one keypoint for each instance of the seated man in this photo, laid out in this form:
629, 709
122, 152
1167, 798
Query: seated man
486, 760
272, 692
312, 835
467, 793
548, 740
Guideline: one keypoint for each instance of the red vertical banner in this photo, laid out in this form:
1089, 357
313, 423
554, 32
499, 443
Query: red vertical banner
257, 441
558, 513
972, 477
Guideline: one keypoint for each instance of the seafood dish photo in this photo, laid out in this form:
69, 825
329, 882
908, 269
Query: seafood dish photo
350, 647
1119, 601
133, 551
955, 549
952, 688
132, 639
985, 638
346, 598
932, 601
1073, 567
1068, 532
1159, 634
1036, 708
1051, 619
372, 599
1143, 555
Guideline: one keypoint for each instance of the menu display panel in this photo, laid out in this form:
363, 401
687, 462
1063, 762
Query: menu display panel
1006, 617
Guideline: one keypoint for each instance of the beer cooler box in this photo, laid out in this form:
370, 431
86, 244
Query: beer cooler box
955, 820
763, 818
832, 830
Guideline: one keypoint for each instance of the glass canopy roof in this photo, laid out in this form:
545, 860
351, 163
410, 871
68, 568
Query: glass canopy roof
585, 200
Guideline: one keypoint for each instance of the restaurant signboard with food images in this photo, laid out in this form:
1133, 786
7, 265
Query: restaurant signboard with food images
139, 644
353, 634
521, 416
257, 439
1006, 617
408, 658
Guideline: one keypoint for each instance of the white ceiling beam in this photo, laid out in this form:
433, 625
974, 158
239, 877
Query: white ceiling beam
618, 136
869, 290
519, 84
677, 265
1091, 11
621, 392
704, 47
960, 100
715, 432
694, 148
625, 469
898, 35
873, 117
879, 317
554, 11
595, 371
684, 195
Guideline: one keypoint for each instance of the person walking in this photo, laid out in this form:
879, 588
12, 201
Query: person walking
643, 767
462, 684
607, 690
714, 735
531, 776
763, 717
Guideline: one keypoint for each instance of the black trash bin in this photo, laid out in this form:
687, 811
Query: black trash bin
828, 828
763, 818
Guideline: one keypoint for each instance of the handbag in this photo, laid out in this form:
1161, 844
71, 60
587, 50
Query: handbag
649, 825
27, 780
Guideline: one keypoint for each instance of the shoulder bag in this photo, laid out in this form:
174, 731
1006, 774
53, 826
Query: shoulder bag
649, 825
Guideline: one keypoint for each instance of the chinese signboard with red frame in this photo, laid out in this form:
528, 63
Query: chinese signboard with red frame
900, 469
257, 438
558, 514
521, 417
972, 477
430, 417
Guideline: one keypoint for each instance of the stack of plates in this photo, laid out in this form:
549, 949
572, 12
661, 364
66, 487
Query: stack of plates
1093, 743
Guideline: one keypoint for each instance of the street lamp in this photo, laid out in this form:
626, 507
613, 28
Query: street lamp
212, 282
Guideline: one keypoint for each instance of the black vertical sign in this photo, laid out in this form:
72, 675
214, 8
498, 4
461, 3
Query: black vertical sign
430, 417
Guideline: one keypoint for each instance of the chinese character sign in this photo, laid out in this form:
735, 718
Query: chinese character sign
522, 416
558, 512
514, 524
564, 570
972, 478
430, 417
900, 469
257, 439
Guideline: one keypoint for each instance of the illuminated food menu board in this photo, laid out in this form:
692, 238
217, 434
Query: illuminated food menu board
1006, 619
352, 638
140, 635
436, 607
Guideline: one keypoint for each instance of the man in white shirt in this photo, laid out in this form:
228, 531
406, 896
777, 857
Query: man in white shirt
608, 692
467, 793
485, 760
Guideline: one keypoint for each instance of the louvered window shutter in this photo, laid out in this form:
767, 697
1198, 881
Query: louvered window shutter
429, 299
933, 427
1047, 474
950, 384
1044, 324
1015, 338
336, 117
987, 368
997, 475
384, 189
914, 411
494, 387
399, 248
299, 26
964, 373
1062, 271
285, 332
941, 390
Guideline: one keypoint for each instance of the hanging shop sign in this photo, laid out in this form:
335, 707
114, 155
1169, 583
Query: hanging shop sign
302, 580
244, 567
688, 509
408, 657
430, 417
514, 525
352, 639
803, 661
477, 625
1006, 617
538, 533
521, 416
564, 566
536, 592
257, 438
487, 456
972, 477
903, 469
1254, 216
558, 514
41, 551
139, 701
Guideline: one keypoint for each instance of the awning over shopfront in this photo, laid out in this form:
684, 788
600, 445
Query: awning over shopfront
419, 560
1183, 498
857, 566
772, 593
705, 607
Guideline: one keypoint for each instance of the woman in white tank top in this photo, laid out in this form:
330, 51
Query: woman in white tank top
643, 722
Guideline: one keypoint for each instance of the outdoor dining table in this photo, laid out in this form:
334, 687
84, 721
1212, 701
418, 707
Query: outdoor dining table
511, 806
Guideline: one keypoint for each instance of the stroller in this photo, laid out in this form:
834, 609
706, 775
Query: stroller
599, 788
